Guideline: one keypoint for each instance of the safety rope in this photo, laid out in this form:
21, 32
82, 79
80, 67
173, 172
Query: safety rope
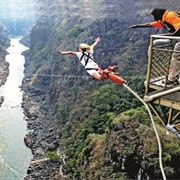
13, 170
154, 127
60, 76
70, 76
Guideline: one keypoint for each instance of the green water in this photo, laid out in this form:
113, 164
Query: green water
14, 155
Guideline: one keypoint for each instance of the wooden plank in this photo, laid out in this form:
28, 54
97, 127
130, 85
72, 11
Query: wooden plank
168, 103
40, 160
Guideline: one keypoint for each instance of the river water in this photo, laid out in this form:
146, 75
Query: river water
14, 155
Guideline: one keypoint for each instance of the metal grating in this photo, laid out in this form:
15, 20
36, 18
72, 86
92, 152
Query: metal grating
159, 65
159, 91
160, 54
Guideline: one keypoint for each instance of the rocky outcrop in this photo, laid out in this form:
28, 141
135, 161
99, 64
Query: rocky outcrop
43, 136
4, 70
4, 40
43, 170
1, 100
4, 66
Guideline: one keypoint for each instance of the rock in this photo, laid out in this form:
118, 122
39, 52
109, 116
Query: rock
1, 100
43, 136
28, 140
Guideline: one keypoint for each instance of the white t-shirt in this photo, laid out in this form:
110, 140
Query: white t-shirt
90, 63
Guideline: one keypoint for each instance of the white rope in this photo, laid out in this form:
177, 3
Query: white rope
13, 170
154, 127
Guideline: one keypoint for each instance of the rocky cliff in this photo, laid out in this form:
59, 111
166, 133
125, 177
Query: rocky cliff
3, 66
81, 128
4, 71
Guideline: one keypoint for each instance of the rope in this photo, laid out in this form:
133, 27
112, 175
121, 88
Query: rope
70, 76
13, 170
60, 76
154, 127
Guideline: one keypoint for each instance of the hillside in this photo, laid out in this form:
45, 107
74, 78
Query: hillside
4, 43
100, 128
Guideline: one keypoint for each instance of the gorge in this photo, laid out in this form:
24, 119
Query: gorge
102, 131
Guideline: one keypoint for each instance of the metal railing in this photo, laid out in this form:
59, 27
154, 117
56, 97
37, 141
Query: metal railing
160, 53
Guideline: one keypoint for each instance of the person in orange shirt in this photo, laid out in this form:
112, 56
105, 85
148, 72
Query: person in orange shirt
169, 20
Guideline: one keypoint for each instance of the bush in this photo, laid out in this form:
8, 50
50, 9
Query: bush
53, 156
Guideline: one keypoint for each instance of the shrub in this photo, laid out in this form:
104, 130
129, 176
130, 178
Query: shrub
53, 156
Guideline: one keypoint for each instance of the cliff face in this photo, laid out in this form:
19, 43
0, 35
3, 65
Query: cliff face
4, 71
4, 43
79, 118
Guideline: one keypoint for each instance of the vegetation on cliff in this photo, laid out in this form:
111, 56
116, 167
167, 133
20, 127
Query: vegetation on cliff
104, 131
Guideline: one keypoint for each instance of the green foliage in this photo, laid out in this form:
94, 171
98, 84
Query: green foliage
106, 103
62, 113
118, 176
111, 98
89, 131
70, 165
75, 31
53, 156
139, 114
110, 33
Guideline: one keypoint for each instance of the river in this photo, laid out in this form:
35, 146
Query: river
14, 155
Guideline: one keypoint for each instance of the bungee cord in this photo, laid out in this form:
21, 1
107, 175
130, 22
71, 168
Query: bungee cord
154, 127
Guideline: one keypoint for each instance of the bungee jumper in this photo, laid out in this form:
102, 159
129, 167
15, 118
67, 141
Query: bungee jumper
85, 56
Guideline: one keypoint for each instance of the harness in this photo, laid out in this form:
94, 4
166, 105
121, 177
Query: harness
86, 59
